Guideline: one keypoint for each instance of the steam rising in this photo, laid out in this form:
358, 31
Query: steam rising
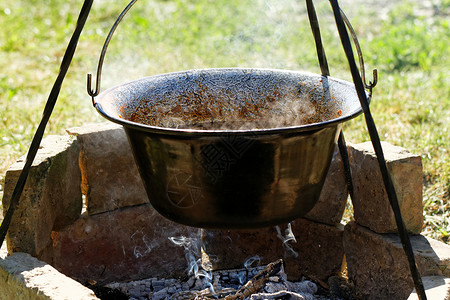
252, 262
193, 249
282, 112
265, 24
286, 238
263, 38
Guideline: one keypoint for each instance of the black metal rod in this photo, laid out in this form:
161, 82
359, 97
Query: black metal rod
404, 237
314, 23
68, 55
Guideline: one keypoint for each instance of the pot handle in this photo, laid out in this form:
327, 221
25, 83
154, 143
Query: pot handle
94, 93
374, 81
90, 91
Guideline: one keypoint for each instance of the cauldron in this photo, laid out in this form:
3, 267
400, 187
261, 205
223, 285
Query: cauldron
235, 147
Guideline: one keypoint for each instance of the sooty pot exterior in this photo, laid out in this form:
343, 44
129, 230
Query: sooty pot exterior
234, 180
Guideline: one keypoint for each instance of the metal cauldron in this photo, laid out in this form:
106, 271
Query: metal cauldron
232, 148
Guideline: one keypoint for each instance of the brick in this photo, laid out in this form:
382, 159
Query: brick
110, 178
436, 288
330, 207
317, 252
23, 277
370, 202
126, 244
378, 267
50, 200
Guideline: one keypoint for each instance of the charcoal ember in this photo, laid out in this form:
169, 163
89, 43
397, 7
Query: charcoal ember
184, 295
274, 279
139, 288
108, 293
304, 286
233, 275
272, 287
158, 285
199, 284
281, 295
263, 282
159, 295
253, 272
191, 282
185, 286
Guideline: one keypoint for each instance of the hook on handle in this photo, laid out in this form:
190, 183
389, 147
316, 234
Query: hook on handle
321, 52
91, 92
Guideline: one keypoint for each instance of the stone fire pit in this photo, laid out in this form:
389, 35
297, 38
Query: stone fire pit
84, 219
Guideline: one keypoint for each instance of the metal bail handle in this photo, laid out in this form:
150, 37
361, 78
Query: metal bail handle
94, 93
374, 81
90, 91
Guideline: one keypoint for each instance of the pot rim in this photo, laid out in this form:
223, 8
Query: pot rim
220, 132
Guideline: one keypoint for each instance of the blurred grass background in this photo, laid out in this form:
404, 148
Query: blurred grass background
407, 41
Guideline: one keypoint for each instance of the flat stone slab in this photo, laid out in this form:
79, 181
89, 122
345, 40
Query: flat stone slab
126, 244
25, 277
110, 178
51, 198
436, 288
370, 201
378, 267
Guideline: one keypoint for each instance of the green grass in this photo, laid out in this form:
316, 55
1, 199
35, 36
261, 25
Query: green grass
408, 45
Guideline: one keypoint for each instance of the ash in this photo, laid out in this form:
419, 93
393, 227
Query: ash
256, 283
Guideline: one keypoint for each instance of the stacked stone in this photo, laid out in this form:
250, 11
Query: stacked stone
118, 236
120, 221
121, 237
376, 262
